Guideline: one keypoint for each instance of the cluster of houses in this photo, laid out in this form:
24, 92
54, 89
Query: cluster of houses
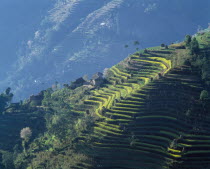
96, 81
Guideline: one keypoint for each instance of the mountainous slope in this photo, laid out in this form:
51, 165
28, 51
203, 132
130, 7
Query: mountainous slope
149, 111
160, 125
19, 20
83, 36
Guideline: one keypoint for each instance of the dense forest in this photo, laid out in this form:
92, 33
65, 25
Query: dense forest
150, 111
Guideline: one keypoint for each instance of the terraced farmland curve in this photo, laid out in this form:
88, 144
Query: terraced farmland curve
150, 129
125, 79
144, 120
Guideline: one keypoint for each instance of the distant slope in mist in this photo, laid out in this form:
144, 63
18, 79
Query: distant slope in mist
81, 37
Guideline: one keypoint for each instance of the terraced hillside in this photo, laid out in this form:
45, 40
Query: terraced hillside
152, 111
149, 115
125, 79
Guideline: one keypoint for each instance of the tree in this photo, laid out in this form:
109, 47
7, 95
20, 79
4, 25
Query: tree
136, 43
188, 40
162, 45
126, 46
145, 51
7, 91
5, 99
3, 103
25, 134
194, 46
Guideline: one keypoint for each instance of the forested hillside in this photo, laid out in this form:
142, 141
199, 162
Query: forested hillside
150, 111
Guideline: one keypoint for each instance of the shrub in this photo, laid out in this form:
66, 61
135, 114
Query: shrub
204, 95
145, 51
7, 160
188, 40
66, 160
208, 83
188, 113
187, 62
136, 43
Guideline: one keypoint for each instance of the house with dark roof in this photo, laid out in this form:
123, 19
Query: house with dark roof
77, 83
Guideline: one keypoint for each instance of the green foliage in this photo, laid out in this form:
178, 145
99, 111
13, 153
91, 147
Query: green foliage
205, 69
194, 46
84, 124
60, 121
204, 95
180, 57
64, 160
47, 97
34, 103
60, 125
63, 99
63, 128
202, 63
57, 148
20, 162
7, 160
